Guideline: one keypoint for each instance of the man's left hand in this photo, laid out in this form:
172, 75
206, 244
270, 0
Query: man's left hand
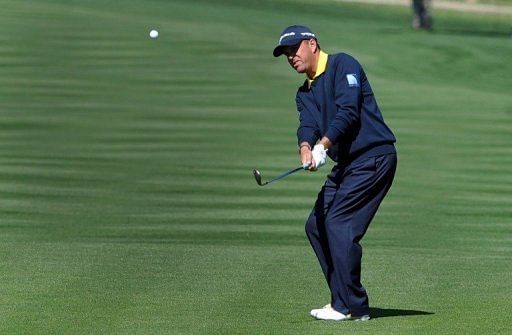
319, 154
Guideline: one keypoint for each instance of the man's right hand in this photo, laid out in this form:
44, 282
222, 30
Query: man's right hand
306, 156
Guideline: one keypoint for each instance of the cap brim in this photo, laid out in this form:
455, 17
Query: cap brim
278, 51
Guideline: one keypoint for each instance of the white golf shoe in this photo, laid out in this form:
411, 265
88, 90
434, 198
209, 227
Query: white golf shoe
314, 312
328, 313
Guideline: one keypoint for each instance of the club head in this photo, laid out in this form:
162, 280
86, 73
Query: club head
257, 176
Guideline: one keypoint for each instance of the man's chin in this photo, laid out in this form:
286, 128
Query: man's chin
300, 70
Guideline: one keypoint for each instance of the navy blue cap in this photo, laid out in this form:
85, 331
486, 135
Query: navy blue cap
292, 35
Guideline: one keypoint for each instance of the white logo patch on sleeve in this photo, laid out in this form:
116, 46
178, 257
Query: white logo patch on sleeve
352, 80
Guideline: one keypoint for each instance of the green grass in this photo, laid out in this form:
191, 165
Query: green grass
127, 199
487, 2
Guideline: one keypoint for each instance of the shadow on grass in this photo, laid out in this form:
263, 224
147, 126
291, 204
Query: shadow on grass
479, 33
492, 33
387, 312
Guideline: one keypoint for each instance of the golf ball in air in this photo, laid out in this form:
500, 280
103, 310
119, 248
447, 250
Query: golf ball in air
153, 33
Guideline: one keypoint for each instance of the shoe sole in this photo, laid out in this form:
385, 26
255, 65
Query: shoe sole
355, 318
362, 318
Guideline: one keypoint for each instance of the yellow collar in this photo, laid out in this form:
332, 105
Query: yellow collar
320, 67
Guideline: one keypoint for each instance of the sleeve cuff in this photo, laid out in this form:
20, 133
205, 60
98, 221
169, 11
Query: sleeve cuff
332, 134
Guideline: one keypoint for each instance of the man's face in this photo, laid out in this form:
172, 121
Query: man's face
301, 56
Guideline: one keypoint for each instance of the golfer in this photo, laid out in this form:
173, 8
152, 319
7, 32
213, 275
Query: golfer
339, 118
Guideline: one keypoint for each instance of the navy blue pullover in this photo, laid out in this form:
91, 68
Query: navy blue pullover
341, 106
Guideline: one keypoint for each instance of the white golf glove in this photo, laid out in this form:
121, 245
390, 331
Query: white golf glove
319, 155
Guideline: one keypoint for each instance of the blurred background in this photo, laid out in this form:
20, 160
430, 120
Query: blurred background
127, 201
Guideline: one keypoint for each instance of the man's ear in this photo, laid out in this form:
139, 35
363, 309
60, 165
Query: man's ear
313, 45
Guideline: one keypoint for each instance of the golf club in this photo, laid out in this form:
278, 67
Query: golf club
257, 174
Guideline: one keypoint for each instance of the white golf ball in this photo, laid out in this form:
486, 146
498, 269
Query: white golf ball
153, 33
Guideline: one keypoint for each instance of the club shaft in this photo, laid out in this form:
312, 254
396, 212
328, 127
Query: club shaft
284, 174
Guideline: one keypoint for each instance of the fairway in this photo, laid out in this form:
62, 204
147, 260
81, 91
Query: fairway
127, 199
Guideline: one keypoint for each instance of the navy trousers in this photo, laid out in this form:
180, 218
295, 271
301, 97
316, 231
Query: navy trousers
343, 211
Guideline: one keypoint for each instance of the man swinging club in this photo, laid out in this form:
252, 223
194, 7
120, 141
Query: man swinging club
339, 117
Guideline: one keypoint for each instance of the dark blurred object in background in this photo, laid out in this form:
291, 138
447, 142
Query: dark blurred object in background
422, 17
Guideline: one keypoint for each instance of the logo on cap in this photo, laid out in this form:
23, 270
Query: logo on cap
286, 35
308, 34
